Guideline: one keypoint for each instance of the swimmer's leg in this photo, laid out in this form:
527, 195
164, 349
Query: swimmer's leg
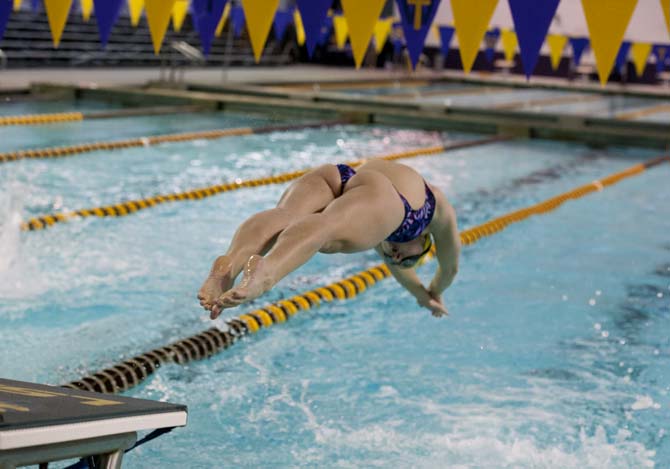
359, 217
309, 194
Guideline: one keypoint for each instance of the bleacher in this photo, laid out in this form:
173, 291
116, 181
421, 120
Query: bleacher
27, 42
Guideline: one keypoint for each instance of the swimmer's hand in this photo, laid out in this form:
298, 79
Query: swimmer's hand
433, 302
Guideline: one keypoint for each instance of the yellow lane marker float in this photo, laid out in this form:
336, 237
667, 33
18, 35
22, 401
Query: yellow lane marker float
59, 152
126, 208
133, 371
648, 111
40, 119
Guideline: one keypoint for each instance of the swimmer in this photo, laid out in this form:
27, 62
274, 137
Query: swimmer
384, 206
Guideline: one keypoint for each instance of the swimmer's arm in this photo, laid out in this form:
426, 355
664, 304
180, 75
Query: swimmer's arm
447, 245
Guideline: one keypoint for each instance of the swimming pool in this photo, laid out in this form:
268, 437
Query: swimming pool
555, 354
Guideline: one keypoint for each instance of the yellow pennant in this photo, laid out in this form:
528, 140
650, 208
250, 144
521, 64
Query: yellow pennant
665, 4
509, 42
224, 18
299, 28
57, 12
361, 18
556, 44
640, 51
17, 5
341, 31
179, 11
135, 8
158, 17
382, 31
607, 21
259, 15
471, 20
86, 9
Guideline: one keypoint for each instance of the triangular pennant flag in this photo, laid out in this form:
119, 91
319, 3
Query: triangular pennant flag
283, 18
361, 18
5, 11
135, 8
35, 4
446, 35
57, 12
299, 28
579, 45
106, 14
532, 19
607, 21
313, 14
179, 11
556, 43
158, 17
238, 20
381, 33
206, 15
665, 5
471, 20
326, 31
222, 21
86, 9
622, 55
639, 52
17, 5
661, 53
341, 31
509, 43
417, 16
259, 15
490, 40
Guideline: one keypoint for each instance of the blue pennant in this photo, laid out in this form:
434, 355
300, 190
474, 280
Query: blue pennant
238, 19
417, 17
532, 19
106, 14
622, 56
446, 35
206, 16
314, 14
579, 45
283, 18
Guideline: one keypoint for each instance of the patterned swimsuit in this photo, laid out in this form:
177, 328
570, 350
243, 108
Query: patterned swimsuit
415, 221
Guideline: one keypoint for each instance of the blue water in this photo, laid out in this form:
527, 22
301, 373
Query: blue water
22, 105
556, 353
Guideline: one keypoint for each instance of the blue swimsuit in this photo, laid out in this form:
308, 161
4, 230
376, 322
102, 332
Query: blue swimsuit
415, 221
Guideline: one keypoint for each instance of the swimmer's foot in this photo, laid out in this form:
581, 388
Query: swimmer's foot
219, 280
254, 283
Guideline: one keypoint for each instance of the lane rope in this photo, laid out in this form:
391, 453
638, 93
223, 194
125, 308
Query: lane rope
41, 119
60, 152
133, 371
129, 207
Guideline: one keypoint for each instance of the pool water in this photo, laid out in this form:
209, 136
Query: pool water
556, 353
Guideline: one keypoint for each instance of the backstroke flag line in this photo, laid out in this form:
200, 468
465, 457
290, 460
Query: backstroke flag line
556, 43
259, 15
532, 19
471, 19
361, 18
607, 21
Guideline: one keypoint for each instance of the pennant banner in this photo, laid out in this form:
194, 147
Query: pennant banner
446, 35
471, 20
17, 5
556, 43
86, 9
313, 13
532, 19
381, 33
35, 4
135, 8
607, 22
341, 31
5, 12
509, 43
361, 18
238, 20
206, 16
283, 18
326, 31
222, 21
106, 14
639, 52
179, 11
622, 55
259, 15
661, 53
416, 16
665, 5
57, 13
579, 45
158, 17
299, 28
490, 40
